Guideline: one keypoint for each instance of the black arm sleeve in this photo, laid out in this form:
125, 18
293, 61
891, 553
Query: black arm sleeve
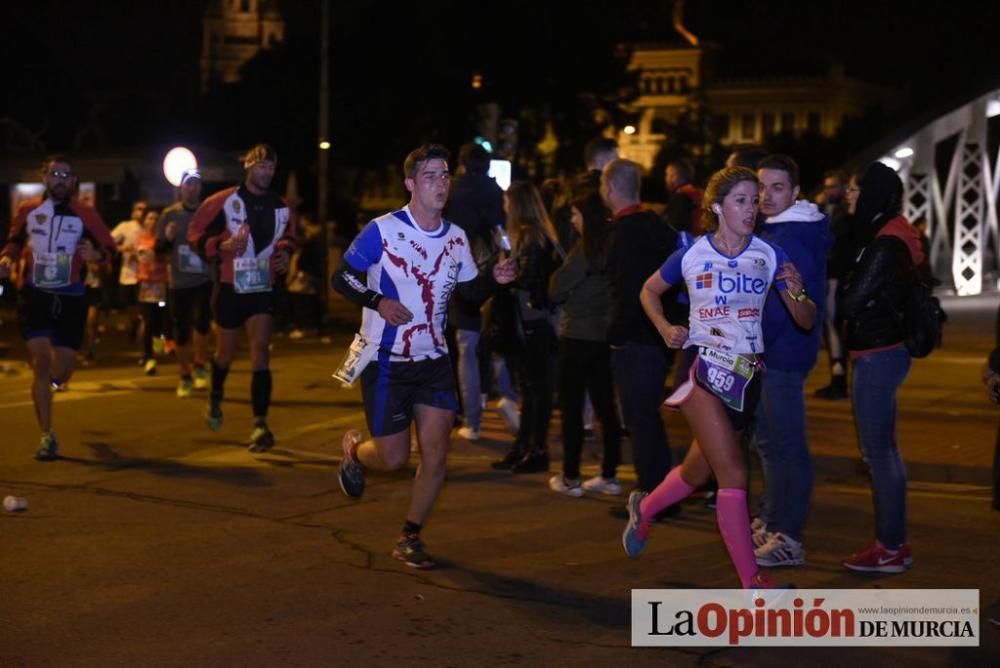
352, 283
478, 289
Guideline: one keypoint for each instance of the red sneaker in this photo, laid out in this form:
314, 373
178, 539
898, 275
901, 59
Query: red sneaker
875, 558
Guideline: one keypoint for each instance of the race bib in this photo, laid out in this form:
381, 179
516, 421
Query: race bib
357, 358
726, 375
251, 275
152, 293
188, 261
51, 270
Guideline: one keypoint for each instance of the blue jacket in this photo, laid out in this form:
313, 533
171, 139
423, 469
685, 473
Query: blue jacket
803, 232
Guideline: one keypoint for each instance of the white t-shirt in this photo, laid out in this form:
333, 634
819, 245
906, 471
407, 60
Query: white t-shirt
126, 235
418, 268
727, 293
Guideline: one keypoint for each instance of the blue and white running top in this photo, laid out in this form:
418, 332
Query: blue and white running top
727, 293
419, 269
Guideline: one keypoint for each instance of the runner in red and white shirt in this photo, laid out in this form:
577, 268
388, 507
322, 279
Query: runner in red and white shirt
248, 231
56, 238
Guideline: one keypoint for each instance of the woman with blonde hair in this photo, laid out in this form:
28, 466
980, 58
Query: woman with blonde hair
728, 273
534, 247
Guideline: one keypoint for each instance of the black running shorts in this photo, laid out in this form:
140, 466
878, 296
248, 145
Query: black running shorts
95, 296
392, 389
60, 318
232, 310
191, 306
739, 420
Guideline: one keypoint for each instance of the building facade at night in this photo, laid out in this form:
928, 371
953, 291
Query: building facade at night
233, 31
674, 80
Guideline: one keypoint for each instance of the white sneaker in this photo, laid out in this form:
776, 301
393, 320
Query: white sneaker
558, 483
510, 415
780, 550
468, 433
150, 367
599, 485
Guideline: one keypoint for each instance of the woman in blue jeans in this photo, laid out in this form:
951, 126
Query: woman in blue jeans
877, 283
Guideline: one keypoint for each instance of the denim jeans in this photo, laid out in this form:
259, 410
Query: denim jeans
502, 380
877, 377
640, 373
784, 452
468, 376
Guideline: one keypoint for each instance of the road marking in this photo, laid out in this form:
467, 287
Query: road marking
93, 389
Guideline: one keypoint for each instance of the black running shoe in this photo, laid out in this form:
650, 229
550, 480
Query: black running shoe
410, 550
48, 448
213, 417
261, 439
351, 473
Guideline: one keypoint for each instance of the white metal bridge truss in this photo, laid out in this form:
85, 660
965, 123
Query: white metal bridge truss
952, 178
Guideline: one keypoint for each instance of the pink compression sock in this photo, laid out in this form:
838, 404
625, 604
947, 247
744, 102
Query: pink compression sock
672, 490
734, 525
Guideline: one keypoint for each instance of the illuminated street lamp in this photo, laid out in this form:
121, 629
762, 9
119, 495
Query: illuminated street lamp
629, 129
177, 161
324, 145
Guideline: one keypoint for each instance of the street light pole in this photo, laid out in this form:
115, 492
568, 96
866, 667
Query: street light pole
324, 143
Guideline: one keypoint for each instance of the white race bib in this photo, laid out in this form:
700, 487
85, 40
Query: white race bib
188, 261
51, 270
357, 358
251, 274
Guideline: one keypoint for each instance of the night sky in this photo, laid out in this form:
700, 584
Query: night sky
400, 73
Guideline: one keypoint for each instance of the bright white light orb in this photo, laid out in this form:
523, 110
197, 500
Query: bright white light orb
177, 161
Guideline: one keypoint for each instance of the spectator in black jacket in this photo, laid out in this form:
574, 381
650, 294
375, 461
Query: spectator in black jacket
475, 205
877, 283
838, 264
640, 242
534, 244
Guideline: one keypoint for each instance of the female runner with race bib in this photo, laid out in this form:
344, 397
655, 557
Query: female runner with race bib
728, 272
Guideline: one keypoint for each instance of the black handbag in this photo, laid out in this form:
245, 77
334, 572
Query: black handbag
503, 327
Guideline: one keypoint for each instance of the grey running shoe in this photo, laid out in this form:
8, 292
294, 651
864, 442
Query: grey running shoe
213, 417
410, 550
351, 473
780, 550
261, 439
48, 448
635, 534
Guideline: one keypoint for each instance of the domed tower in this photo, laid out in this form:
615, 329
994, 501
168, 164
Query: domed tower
233, 31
